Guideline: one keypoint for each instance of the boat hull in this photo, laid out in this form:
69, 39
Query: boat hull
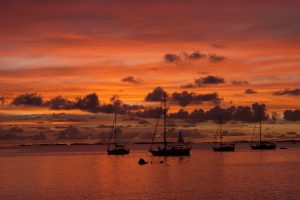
263, 147
171, 152
117, 151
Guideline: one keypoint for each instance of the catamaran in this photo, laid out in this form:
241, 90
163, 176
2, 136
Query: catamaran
180, 148
221, 146
115, 148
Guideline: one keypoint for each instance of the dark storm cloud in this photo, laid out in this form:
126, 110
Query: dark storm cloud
88, 103
131, 79
240, 113
184, 57
186, 98
172, 58
56, 103
196, 55
211, 80
181, 114
216, 58
250, 91
259, 111
156, 95
119, 107
60, 103
243, 113
92, 104
208, 80
217, 113
197, 115
28, 99
239, 83
292, 115
150, 112
183, 98
290, 92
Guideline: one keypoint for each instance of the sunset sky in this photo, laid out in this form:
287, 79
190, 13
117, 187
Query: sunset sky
127, 48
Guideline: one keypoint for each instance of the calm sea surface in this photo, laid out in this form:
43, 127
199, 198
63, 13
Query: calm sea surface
86, 172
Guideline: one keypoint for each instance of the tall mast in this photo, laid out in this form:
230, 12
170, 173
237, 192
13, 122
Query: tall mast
156, 125
221, 132
260, 125
115, 129
165, 119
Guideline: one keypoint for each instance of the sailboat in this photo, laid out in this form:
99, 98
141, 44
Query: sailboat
181, 148
115, 148
262, 145
221, 146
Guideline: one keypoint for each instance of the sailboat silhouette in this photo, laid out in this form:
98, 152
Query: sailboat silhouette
115, 148
176, 149
262, 145
221, 146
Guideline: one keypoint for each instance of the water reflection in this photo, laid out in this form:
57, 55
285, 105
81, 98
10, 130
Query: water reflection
85, 173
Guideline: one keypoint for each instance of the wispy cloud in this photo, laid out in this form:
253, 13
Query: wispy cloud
131, 79
250, 91
289, 92
203, 81
239, 83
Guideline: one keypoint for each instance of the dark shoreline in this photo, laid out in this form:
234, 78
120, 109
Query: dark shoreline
135, 143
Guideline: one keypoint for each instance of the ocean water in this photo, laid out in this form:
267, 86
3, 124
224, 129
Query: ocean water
86, 172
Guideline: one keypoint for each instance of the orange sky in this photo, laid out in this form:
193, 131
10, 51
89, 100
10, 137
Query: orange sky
76, 47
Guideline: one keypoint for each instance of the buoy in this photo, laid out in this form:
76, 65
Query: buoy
142, 162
